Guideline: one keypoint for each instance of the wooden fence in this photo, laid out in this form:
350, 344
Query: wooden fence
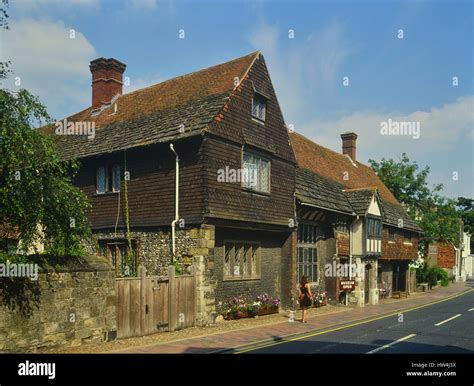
147, 304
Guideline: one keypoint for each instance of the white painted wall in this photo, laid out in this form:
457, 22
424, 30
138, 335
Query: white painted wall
374, 207
357, 238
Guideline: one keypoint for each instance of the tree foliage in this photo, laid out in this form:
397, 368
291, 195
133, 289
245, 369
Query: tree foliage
466, 208
36, 192
437, 215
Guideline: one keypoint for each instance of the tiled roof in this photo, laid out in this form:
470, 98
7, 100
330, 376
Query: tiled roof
360, 199
394, 213
350, 174
319, 191
337, 167
156, 113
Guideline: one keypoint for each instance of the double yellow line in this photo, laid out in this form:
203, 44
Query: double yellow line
266, 343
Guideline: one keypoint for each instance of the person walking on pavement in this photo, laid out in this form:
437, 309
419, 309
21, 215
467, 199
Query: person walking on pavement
306, 297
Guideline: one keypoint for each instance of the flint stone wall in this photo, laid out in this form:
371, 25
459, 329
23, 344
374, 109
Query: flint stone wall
71, 303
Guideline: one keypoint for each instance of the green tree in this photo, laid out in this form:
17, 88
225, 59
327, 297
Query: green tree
466, 208
36, 192
438, 216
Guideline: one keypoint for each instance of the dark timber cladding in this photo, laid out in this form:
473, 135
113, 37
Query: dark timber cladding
211, 118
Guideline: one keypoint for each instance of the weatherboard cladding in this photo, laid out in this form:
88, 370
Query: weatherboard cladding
226, 125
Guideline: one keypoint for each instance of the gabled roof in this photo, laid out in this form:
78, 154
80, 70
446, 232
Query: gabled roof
157, 113
337, 167
358, 180
396, 215
321, 192
360, 199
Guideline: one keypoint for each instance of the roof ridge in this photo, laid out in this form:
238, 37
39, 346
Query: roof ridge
371, 188
195, 72
341, 155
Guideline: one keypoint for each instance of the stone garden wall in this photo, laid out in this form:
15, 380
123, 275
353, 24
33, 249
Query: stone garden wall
72, 302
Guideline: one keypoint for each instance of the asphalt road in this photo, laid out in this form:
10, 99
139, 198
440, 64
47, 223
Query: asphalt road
446, 327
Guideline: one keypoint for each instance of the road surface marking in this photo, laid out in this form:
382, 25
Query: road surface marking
472, 309
265, 343
391, 344
447, 320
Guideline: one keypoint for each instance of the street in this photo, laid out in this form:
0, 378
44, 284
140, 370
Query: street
445, 327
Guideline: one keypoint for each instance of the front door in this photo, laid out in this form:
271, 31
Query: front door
368, 270
399, 276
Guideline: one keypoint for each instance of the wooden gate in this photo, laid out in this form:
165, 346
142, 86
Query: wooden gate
148, 304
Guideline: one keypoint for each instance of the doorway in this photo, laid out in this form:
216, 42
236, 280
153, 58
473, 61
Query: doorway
368, 272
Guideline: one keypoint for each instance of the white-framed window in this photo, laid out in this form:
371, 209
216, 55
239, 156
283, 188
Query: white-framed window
256, 173
259, 107
241, 260
108, 179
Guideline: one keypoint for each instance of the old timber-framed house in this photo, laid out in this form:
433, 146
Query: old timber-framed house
356, 219
204, 165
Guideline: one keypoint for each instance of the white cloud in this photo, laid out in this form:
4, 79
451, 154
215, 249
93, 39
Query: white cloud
441, 130
50, 63
303, 69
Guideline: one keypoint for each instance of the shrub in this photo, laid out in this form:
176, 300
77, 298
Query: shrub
442, 275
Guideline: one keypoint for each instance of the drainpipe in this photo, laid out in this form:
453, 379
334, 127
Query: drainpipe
176, 204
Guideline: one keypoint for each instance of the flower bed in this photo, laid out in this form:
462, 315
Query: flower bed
237, 308
320, 299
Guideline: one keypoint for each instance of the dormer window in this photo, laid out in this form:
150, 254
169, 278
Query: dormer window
259, 107
108, 179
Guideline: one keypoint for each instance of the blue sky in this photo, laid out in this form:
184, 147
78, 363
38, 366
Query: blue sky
407, 79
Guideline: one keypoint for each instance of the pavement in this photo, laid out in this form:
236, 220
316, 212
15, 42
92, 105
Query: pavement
403, 325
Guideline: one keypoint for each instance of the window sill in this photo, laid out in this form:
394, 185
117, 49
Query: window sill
258, 120
256, 192
230, 279
104, 194
391, 242
407, 243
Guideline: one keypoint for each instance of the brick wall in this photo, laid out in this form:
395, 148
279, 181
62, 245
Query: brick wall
342, 243
398, 249
68, 305
446, 255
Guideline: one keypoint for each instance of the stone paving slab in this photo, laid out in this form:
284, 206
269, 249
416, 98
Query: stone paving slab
238, 338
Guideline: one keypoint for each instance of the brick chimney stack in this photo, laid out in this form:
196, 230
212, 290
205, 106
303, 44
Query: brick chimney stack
106, 80
349, 140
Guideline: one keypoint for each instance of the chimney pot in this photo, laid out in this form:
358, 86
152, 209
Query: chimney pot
349, 140
106, 80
